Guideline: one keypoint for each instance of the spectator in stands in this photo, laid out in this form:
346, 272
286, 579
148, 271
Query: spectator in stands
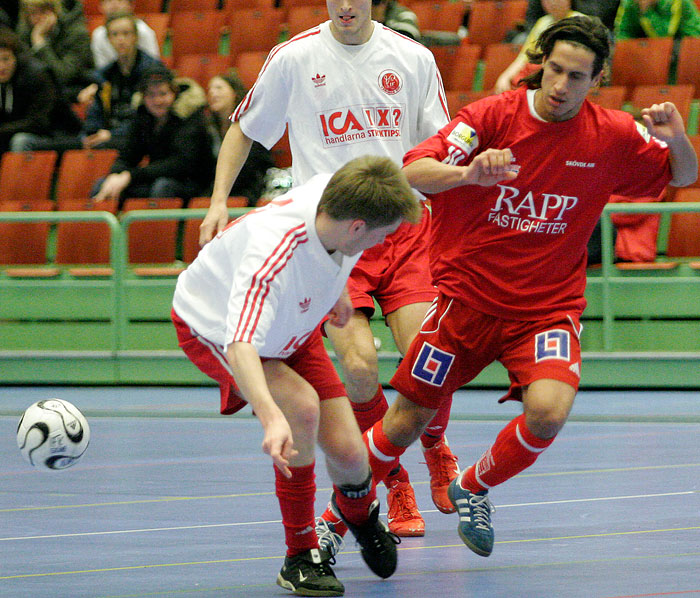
30, 102
60, 41
520, 67
224, 93
168, 129
396, 17
657, 18
605, 10
102, 47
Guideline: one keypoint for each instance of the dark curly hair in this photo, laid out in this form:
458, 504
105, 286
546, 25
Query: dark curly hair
584, 31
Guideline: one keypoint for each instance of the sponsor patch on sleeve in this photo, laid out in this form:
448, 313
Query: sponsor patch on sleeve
464, 138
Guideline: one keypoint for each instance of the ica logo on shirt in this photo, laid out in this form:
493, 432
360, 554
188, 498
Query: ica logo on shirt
360, 123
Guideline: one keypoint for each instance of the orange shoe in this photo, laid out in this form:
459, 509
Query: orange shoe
403, 517
443, 468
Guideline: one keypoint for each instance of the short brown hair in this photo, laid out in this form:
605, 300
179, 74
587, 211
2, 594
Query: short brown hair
54, 5
121, 14
373, 189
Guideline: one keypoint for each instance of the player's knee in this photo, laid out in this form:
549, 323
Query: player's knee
306, 415
361, 374
546, 419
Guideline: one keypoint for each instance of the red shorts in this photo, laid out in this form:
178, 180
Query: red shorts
310, 361
456, 342
395, 273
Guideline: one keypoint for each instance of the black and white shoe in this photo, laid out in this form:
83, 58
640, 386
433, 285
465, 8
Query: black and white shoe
310, 574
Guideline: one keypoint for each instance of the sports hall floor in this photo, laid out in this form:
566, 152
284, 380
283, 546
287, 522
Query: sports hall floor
171, 500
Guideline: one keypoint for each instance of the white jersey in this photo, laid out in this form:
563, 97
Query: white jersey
104, 53
340, 102
266, 279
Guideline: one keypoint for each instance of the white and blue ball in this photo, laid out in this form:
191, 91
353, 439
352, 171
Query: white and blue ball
52, 434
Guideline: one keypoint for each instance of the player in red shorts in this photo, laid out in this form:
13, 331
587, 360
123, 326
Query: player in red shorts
517, 183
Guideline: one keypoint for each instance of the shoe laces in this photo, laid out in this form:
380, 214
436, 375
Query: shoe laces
403, 502
442, 463
481, 509
320, 569
328, 538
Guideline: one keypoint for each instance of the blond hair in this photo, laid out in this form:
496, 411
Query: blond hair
373, 189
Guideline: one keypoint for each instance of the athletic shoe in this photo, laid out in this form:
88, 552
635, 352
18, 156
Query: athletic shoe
475, 510
329, 538
403, 517
310, 574
377, 543
443, 468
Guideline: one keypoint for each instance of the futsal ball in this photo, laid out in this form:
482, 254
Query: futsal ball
52, 434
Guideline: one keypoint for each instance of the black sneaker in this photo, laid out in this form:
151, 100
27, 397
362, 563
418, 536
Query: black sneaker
310, 574
377, 543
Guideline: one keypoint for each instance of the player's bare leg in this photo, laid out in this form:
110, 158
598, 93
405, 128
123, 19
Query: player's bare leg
357, 355
405, 323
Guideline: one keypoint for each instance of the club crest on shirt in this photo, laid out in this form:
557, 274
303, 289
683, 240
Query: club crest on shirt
390, 82
464, 137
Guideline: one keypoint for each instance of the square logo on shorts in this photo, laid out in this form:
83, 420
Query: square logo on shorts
552, 344
432, 365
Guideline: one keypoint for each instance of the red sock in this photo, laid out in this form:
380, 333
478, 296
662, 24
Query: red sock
354, 501
515, 449
383, 455
296, 497
369, 413
435, 430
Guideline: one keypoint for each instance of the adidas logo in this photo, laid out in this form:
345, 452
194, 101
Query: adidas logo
319, 80
305, 304
575, 369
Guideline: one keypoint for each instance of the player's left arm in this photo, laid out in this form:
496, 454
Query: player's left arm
666, 124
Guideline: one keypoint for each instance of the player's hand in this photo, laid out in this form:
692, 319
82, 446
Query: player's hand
663, 121
214, 222
279, 444
342, 311
490, 167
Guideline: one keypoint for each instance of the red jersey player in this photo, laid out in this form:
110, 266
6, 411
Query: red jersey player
517, 183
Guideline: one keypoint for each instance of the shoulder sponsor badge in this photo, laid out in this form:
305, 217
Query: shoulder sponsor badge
464, 137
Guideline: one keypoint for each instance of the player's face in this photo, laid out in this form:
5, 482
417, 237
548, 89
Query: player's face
351, 20
567, 77
8, 64
158, 99
366, 237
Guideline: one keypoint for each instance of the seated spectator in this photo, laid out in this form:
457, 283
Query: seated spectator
170, 133
556, 10
657, 18
61, 42
103, 50
605, 10
30, 102
397, 17
224, 93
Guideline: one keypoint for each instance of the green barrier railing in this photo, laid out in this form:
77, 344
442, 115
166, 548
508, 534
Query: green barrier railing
610, 272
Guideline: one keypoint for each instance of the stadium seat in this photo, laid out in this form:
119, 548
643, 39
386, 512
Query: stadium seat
159, 22
146, 6
24, 243
497, 57
254, 28
85, 242
456, 100
683, 237
175, 6
644, 96
457, 65
438, 15
78, 171
26, 176
91, 7
230, 5
92, 22
643, 61
287, 4
196, 32
153, 241
688, 71
490, 20
190, 238
248, 65
281, 152
202, 67
301, 18
612, 96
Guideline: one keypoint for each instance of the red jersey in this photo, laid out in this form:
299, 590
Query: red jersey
518, 250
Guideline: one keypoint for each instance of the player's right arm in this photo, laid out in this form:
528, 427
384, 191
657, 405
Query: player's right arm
250, 378
232, 156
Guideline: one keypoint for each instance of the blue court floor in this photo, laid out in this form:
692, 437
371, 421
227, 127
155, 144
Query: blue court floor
172, 500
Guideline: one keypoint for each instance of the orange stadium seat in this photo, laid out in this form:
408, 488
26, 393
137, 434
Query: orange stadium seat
190, 238
497, 57
688, 71
281, 152
456, 100
287, 4
644, 96
629, 56
202, 67
489, 21
438, 16
683, 237
78, 171
230, 5
262, 29
26, 176
159, 22
175, 6
609, 97
145, 6
196, 32
248, 65
25, 243
457, 65
301, 18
